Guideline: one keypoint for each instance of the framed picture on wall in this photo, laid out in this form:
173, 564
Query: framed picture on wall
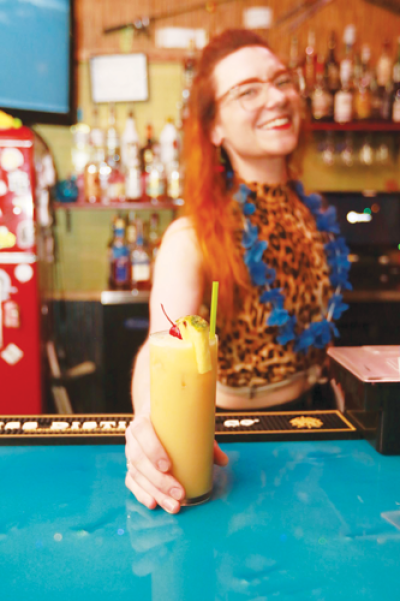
119, 78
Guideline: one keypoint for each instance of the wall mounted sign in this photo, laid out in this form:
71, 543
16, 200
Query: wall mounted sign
119, 78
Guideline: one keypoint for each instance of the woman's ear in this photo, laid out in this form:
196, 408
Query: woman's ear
216, 135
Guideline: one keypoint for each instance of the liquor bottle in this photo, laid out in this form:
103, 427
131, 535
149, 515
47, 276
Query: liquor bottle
321, 97
396, 67
130, 160
387, 102
362, 99
396, 106
347, 67
97, 134
109, 249
116, 188
134, 180
365, 63
295, 65
131, 231
173, 173
357, 69
310, 63
347, 62
119, 275
384, 66
155, 182
332, 69
129, 142
154, 239
140, 262
396, 86
168, 137
97, 171
376, 98
146, 153
112, 140
343, 105
294, 59
96, 177
80, 152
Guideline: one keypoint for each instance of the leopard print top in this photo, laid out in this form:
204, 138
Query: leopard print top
248, 352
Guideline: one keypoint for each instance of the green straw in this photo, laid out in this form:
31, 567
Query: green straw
214, 305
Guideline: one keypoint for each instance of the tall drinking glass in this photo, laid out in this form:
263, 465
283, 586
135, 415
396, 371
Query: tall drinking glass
183, 411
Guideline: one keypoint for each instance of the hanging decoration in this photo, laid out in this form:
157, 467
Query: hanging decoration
317, 333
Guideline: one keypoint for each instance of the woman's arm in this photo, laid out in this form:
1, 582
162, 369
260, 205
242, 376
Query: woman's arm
178, 285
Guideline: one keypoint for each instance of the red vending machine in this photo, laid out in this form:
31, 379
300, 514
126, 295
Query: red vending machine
20, 309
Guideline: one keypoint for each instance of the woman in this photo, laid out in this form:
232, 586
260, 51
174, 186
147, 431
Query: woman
250, 226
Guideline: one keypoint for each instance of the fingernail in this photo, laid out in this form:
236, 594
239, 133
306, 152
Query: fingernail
176, 493
163, 465
170, 505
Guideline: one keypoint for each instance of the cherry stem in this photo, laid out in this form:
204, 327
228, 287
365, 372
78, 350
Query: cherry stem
165, 313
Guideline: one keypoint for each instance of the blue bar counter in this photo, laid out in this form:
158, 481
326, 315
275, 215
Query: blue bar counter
309, 521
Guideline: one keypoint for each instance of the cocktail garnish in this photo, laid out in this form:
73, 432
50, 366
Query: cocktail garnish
194, 329
174, 330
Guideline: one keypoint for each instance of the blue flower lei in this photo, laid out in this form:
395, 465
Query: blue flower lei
318, 333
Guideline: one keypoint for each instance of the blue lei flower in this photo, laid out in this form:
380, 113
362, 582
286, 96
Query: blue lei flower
318, 333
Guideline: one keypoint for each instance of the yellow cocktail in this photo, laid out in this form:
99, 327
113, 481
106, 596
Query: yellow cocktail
183, 410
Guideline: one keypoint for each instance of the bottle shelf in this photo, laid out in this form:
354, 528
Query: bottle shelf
105, 297
362, 126
160, 205
124, 297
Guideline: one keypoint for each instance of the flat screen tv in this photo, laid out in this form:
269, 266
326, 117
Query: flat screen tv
36, 60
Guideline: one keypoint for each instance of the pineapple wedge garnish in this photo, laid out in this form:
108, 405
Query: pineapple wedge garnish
196, 330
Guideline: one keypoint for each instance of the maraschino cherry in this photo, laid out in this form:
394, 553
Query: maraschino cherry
174, 330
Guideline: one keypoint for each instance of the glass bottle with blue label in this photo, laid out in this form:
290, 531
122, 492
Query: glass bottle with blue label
140, 262
119, 259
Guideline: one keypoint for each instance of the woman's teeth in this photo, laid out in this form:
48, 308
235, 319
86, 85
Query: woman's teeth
276, 123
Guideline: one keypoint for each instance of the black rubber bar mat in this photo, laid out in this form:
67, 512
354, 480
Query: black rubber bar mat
229, 427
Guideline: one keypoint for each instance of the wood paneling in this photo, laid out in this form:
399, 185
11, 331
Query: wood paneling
374, 24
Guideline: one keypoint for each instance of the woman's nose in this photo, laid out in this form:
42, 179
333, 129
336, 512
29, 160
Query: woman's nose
275, 98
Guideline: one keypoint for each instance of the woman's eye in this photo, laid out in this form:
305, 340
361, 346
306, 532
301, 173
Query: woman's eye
283, 82
248, 92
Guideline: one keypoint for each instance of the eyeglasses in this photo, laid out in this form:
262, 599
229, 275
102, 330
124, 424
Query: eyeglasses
253, 95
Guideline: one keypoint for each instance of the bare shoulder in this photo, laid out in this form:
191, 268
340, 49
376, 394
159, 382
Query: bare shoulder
178, 274
181, 228
180, 238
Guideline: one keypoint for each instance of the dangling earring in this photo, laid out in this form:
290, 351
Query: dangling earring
226, 166
220, 163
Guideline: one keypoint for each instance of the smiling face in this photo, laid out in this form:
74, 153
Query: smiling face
250, 131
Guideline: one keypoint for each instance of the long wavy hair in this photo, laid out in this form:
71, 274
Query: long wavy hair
208, 201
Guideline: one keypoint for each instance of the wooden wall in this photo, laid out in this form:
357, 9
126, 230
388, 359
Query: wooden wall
373, 24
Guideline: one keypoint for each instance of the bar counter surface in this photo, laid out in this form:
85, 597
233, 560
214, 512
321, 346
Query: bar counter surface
309, 520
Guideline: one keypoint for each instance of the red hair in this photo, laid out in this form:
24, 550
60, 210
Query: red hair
207, 200
215, 216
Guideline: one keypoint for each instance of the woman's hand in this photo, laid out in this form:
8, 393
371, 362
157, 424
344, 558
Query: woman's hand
148, 466
148, 476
